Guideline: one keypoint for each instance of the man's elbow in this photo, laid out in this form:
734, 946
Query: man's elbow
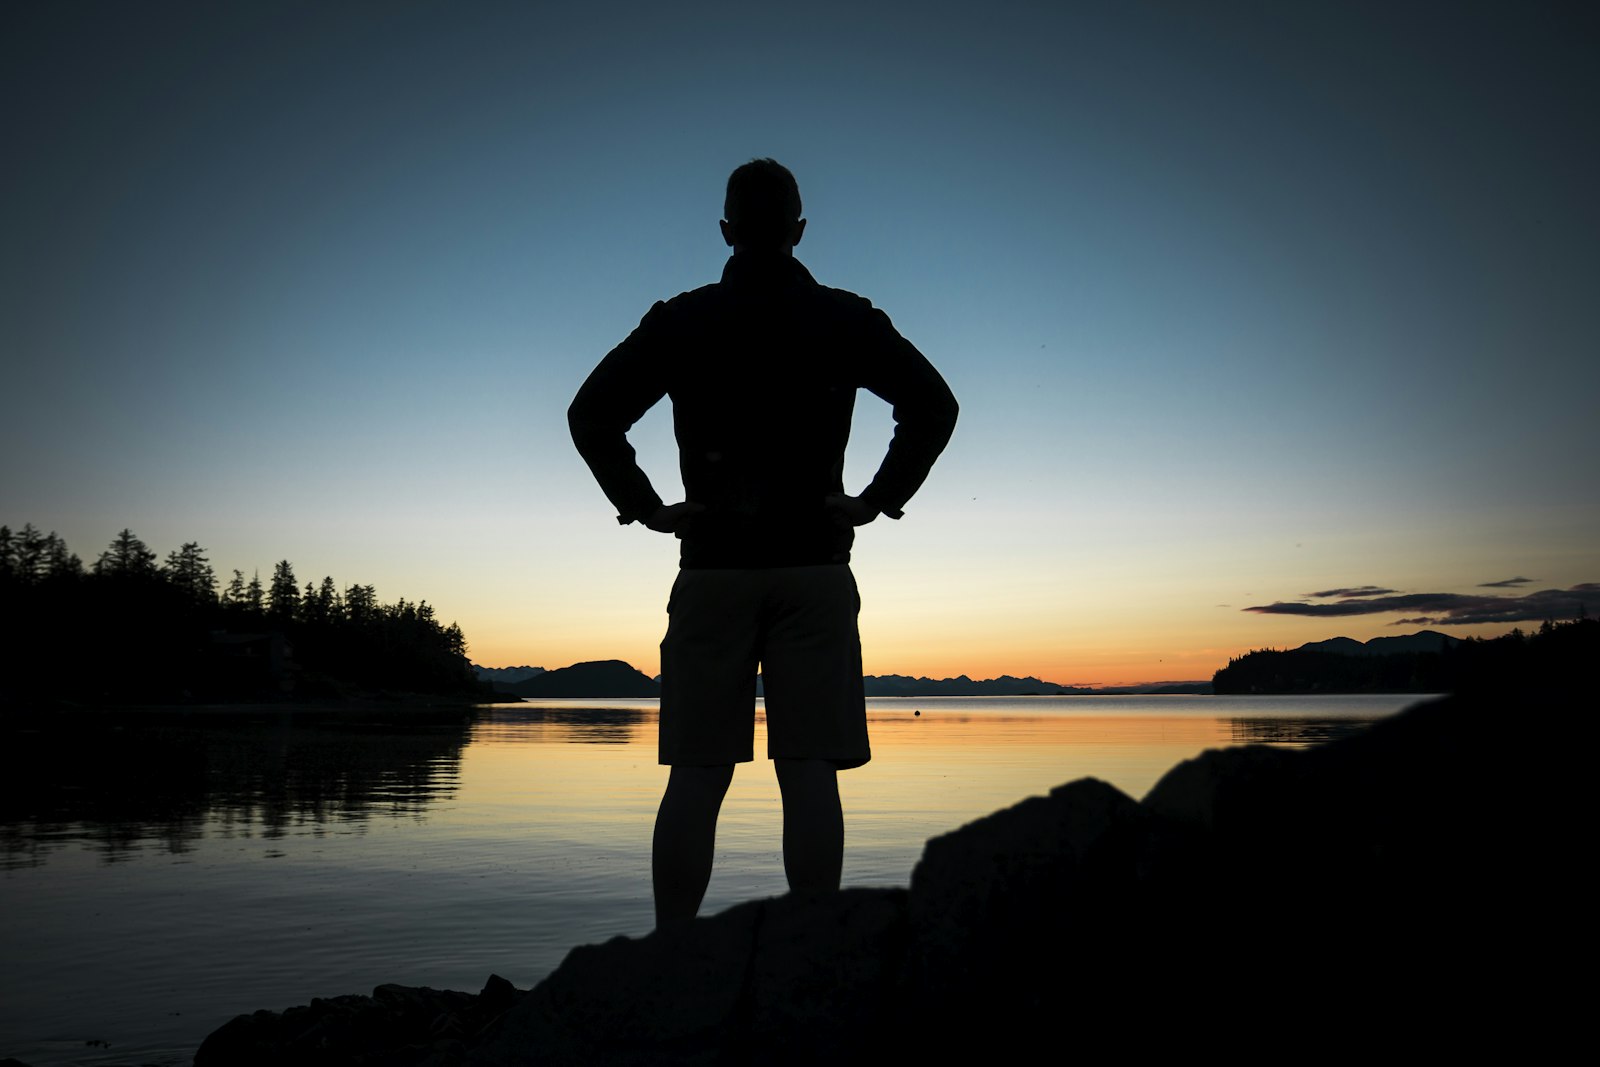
948, 412
585, 429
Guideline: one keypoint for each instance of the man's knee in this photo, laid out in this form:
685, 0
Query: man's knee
807, 776
709, 780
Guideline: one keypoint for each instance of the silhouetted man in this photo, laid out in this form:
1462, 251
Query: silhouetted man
762, 369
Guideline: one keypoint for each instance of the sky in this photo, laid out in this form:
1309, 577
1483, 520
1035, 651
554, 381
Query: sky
1269, 323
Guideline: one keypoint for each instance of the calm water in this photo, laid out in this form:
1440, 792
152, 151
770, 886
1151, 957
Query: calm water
160, 874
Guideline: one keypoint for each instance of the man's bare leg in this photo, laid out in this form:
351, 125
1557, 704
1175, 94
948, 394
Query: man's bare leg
685, 840
813, 823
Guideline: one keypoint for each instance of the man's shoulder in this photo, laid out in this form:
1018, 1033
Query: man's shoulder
843, 299
710, 302
689, 299
716, 293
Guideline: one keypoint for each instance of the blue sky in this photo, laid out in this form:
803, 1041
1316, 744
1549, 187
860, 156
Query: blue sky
1242, 301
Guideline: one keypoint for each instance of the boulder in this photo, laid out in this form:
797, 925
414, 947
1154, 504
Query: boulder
785, 980
397, 1026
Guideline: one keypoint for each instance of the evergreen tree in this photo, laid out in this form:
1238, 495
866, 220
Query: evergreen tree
190, 572
59, 563
254, 598
455, 641
126, 557
320, 604
360, 603
283, 595
308, 604
29, 553
329, 603
18, 552
234, 595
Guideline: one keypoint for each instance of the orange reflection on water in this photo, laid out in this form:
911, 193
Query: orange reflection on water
942, 769
592, 772
575, 774
581, 775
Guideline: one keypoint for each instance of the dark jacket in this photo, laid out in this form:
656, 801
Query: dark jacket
762, 369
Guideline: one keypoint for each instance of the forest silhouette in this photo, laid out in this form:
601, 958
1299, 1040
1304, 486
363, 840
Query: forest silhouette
132, 629
1557, 653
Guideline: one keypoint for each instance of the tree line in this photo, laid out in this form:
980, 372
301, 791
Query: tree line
134, 627
1558, 654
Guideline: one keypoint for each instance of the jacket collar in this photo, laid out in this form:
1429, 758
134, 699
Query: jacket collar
765, 268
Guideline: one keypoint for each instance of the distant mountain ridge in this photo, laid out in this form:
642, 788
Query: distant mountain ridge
615, 678
900, 685
506, 674
1421, 641
594, 679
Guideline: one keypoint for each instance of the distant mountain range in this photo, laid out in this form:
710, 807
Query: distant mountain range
1421, 641
614, 678
506, 674
900, 685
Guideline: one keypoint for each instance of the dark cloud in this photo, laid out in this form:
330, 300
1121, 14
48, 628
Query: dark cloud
1507, 584
1458, 609
1535, 607
1437, 602
1360, 590
1420, 620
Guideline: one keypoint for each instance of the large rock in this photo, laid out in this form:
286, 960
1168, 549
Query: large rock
786, 980
397, 1026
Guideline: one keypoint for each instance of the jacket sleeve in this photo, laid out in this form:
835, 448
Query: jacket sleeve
617, 393
924, 413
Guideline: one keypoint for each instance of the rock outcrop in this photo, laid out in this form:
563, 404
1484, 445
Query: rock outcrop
1376, 893
395, 1025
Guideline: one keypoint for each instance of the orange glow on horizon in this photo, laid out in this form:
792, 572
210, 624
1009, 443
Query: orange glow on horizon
1123, 659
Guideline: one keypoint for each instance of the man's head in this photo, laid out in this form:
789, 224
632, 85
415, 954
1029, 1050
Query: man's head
762, 209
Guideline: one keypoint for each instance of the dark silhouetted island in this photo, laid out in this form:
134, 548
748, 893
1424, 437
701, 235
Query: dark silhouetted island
599, 679
1426, 662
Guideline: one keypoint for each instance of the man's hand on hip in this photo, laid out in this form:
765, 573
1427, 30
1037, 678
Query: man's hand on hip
669, 518
849, 510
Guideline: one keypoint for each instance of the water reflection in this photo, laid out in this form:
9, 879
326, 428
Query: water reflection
121, 782
1291, 731
562, 725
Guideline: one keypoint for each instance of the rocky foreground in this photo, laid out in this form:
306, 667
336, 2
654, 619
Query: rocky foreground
1383, 895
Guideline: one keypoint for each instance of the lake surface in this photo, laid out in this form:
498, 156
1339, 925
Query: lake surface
161, 873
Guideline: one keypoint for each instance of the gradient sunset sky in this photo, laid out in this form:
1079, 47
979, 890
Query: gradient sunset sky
1248, 306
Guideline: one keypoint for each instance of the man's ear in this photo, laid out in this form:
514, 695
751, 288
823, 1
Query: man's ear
727, 232
798, 232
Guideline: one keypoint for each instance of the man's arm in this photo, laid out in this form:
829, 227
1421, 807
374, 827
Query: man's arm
617, 393
924, 415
